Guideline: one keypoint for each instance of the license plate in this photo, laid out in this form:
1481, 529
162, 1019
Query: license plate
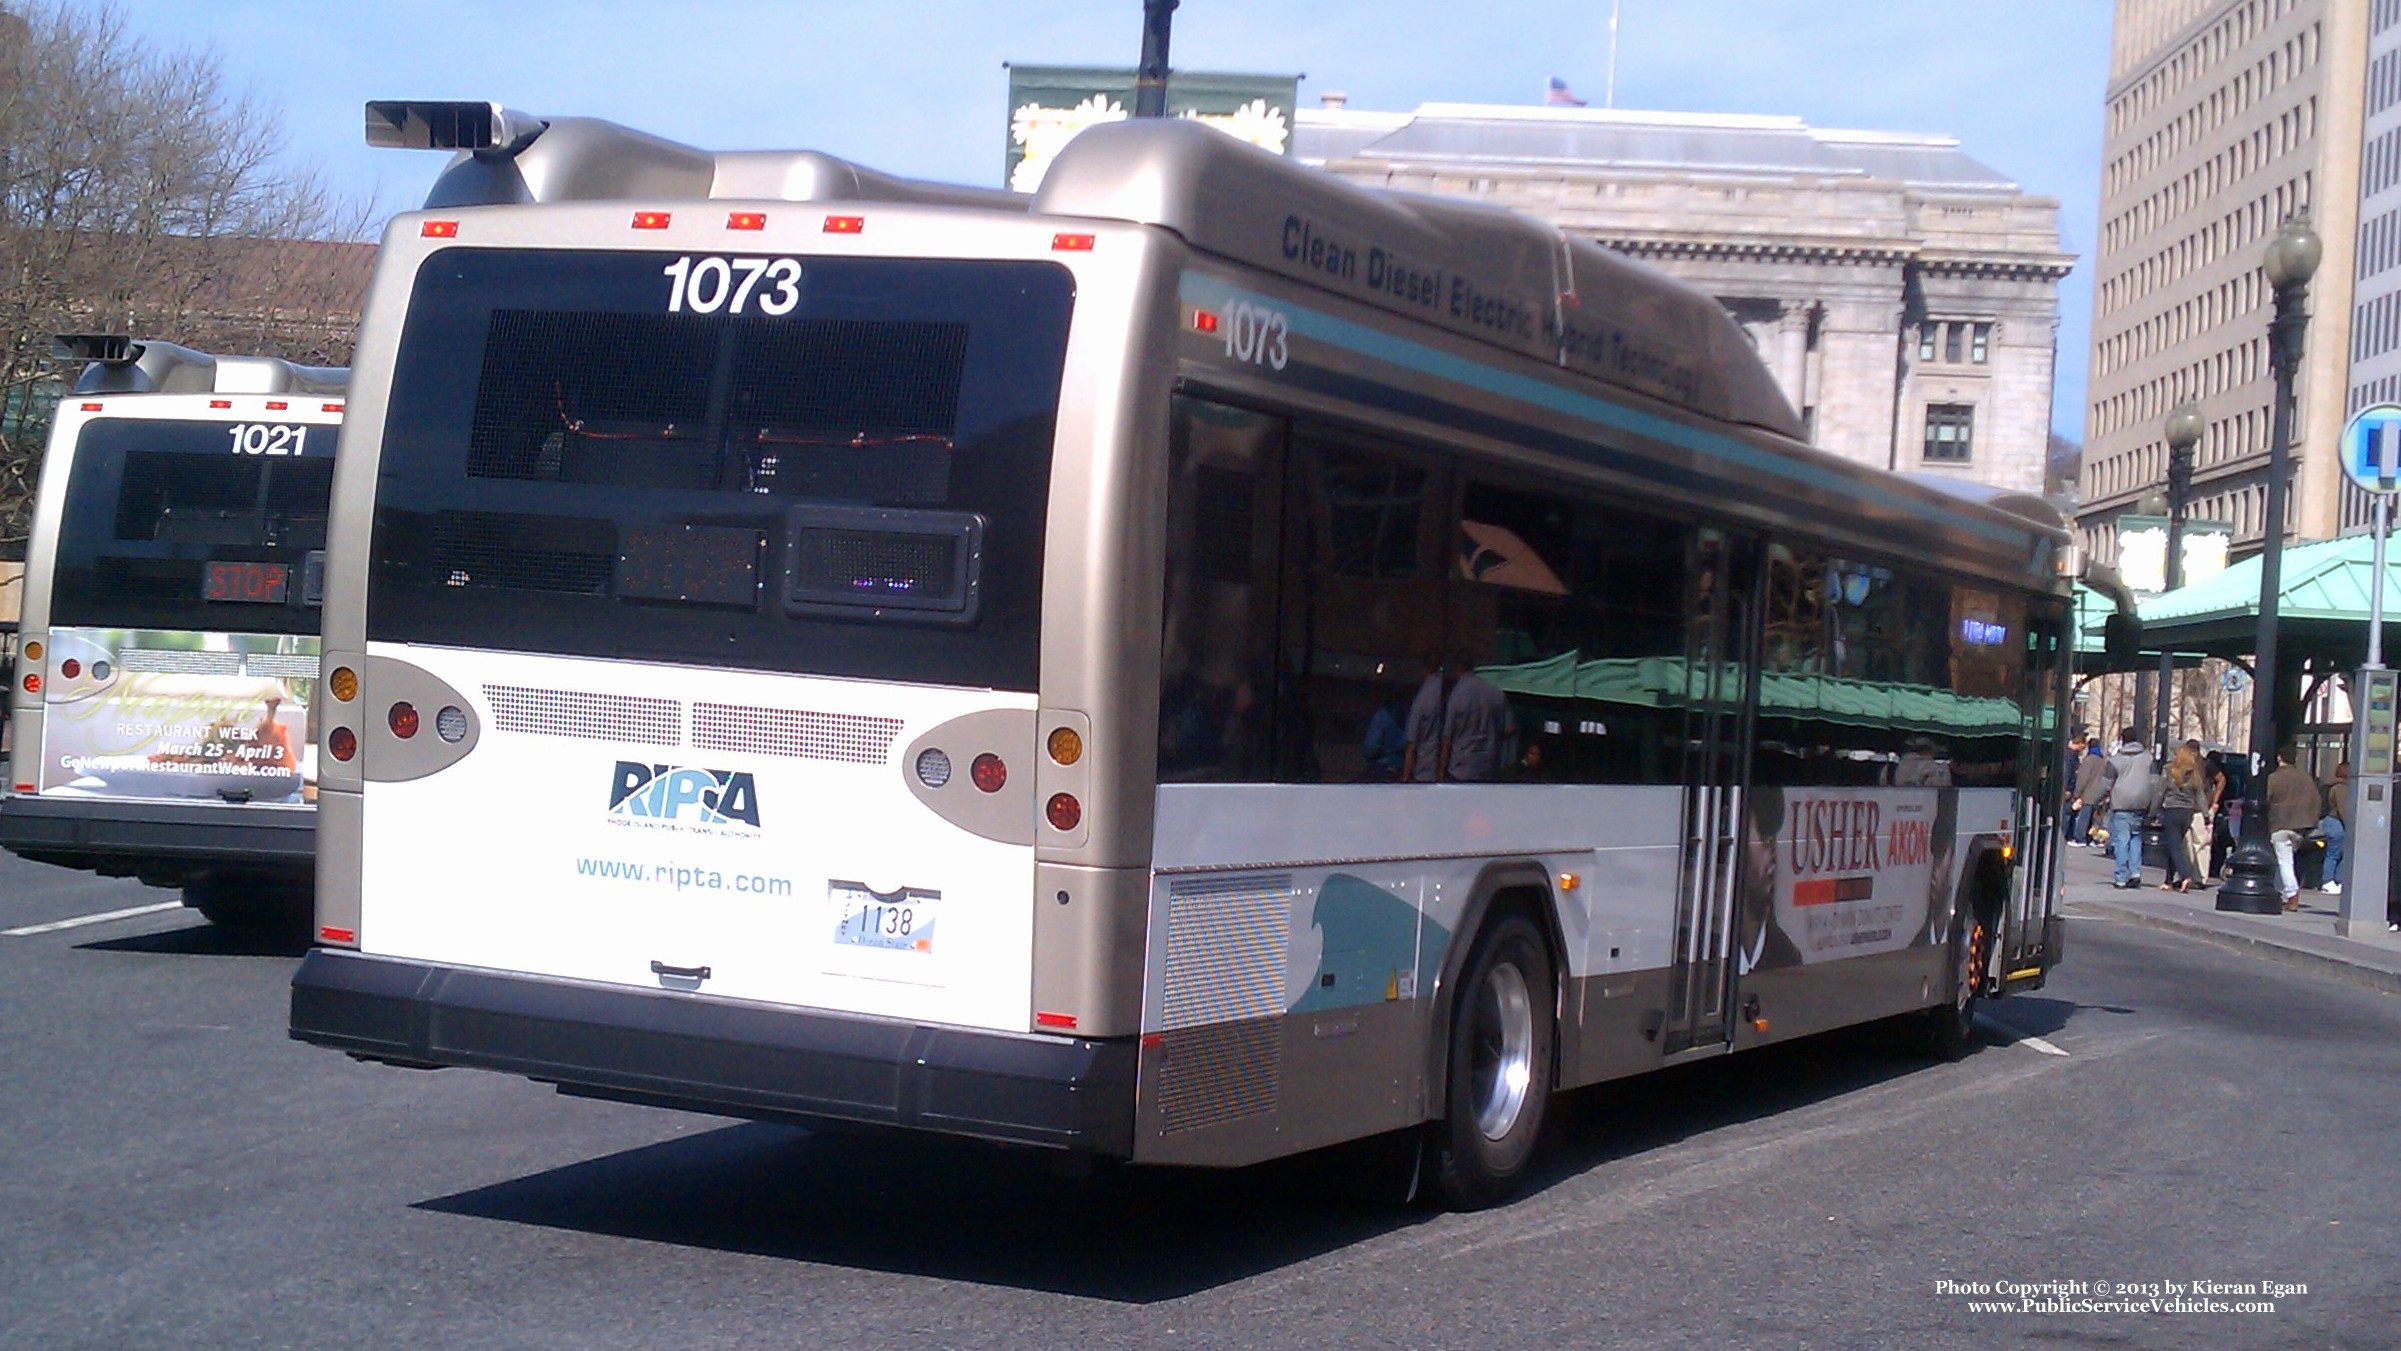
896, 921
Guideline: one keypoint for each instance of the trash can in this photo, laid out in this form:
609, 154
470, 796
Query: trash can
2155, 846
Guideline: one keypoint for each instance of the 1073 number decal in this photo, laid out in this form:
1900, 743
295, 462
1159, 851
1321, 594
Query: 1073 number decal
732, 285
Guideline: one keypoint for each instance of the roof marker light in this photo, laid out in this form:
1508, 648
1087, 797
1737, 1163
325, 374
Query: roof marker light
1066, 1020
746, 220
333, 935
333, 408
220, 403
277, 405
438, 229
845, 225
1071, 243
652, 220
1203, 321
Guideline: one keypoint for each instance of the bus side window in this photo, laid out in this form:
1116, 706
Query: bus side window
1362, 607
1217, 659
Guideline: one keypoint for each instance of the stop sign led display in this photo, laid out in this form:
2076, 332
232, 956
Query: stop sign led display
251, 583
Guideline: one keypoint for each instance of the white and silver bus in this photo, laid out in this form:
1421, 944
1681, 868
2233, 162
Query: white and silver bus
1200, 663
162, 701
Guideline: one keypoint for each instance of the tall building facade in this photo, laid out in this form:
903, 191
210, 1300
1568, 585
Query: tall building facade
1904, 294
2224, 118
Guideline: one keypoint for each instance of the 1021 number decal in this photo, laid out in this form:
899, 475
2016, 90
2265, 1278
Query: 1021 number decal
268, 438
732, 285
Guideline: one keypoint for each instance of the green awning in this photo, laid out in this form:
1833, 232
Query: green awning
1660, 682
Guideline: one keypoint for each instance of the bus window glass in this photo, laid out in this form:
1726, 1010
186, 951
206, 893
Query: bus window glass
154, 505
1566, 604
1217, 659
1362, 610
850, 480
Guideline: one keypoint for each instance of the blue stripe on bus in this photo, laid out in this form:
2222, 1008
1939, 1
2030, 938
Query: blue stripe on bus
1414, 356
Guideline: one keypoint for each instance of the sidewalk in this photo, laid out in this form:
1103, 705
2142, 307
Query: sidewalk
2305, 938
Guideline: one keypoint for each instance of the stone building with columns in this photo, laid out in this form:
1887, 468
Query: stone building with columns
1905, 295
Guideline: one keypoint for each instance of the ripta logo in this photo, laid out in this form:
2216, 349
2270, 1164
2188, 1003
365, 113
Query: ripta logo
709, 797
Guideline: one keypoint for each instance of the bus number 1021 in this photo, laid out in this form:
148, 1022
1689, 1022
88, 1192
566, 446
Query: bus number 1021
263, 438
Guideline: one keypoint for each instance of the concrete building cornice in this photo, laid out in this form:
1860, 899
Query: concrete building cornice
1894, 253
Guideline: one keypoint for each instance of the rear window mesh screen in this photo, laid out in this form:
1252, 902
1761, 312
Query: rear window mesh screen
524, 553
595, 398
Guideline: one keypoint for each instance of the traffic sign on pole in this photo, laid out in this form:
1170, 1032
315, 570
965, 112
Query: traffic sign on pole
2371, 455
2371, 448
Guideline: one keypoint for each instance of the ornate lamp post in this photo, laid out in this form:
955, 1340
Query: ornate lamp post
2184, 432
2251, 882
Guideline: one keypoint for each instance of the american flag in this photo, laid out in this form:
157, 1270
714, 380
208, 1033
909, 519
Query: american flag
1560, 95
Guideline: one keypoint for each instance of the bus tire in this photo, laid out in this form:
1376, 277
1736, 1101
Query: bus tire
248, 901
1503, 1027
1951, 1026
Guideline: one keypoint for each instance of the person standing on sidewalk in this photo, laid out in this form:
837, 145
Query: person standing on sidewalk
2334, 830
2294, 806
2179, 799
2092, 784
2131, 782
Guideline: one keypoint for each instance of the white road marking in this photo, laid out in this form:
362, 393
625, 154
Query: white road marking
2016, 1038
80, 920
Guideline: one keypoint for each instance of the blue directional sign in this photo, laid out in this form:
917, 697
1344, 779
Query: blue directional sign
2372, 448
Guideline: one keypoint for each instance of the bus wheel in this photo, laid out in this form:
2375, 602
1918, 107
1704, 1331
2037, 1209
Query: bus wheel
1500, 1068
1949, 1027
248, 901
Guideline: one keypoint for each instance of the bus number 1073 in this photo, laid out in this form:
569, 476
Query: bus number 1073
732, 285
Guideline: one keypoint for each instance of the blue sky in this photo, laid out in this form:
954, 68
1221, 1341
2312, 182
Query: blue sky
917, 87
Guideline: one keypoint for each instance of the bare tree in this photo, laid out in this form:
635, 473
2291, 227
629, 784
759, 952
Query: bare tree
139, 194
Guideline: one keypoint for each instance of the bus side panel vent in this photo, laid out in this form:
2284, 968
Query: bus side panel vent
1223, 999
851, 738
587, 717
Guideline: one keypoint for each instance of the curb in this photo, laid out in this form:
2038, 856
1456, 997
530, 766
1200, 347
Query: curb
2342, 969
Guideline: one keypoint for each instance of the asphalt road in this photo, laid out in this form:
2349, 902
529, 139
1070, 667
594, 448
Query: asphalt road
175, 1172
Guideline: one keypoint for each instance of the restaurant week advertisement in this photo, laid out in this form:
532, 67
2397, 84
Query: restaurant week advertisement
139, 714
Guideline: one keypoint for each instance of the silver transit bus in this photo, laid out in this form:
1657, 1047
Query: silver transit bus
162, 703
1199, 663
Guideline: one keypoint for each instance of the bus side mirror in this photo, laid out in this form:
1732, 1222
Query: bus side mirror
2121, 639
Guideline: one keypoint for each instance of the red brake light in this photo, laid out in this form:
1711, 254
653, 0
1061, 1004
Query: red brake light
1071, 243
403, 718
746, 220
438, 229
70, 668
988, 772
1064, 812
342, 742
33, 684
651, 220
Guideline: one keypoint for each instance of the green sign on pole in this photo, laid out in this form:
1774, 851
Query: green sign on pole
1048, 105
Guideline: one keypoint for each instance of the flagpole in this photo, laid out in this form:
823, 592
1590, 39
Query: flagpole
1609, 99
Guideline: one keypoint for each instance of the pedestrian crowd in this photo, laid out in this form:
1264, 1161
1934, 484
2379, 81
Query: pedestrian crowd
2196, 801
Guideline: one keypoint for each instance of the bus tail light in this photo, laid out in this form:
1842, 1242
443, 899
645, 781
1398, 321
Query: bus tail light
344, 684
403, 719
1064, 812
989, 773
342, 742
70, 668
33, 683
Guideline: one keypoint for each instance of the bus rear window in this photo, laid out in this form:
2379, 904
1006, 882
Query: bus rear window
847, 474
197, 526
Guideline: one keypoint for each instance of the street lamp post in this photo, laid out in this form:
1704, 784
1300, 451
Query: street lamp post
2252, 885
2184, 432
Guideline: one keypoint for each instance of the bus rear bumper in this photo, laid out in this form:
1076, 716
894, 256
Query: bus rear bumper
122, 836
719, 1055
